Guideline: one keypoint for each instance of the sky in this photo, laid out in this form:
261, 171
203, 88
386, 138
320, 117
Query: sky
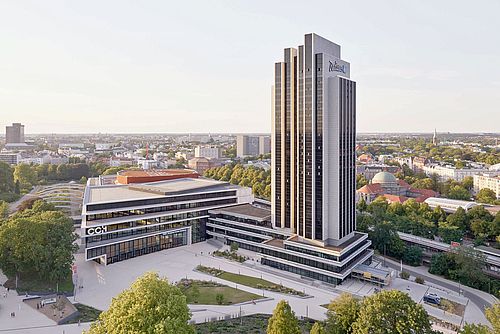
207, 66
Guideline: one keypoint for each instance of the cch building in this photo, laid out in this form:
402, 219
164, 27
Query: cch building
148, 211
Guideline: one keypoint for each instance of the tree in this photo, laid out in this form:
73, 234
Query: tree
426, 183
480, 213
4, 210
412, 255
475, 329
317, 328
493, 316
468, 182
26, 175
283, 320
449, 232
6, 178
150, 305
37, 242
342, 313
486, 195
442, 264
459, 219
469, 267
234, 247
219, 298
391, 312
458, 192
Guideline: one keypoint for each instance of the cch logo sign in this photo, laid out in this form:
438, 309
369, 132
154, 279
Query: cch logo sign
97, 230
336, 67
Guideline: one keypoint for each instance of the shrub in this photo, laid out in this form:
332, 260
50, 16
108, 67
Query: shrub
419, 280
404, 275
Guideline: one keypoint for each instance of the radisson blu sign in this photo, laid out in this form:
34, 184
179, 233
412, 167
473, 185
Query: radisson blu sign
336, 67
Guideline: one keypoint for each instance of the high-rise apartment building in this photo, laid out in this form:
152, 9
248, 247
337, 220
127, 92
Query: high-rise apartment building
247, 146
14, 134
314, 130
212, 152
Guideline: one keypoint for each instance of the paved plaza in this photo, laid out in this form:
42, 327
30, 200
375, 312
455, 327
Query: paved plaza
98, 284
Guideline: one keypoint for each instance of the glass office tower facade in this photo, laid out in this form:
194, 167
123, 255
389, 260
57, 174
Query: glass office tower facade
314, 132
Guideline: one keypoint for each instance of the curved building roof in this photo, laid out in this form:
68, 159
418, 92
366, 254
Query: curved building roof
384, 177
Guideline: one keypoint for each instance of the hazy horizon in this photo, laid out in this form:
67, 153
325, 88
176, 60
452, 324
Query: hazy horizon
157, 67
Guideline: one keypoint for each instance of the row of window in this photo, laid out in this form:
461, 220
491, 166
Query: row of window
162, 200
175, 207
150, 229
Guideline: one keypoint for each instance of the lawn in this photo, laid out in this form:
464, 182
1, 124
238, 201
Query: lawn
87, 314
205, 293
250, 281
253, 324
32, 283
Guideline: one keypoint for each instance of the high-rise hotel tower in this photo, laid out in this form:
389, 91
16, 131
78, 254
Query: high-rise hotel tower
314, 133
310, 229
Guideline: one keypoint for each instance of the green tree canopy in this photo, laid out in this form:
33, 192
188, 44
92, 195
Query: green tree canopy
342, 313
487, 196
37, 241
26, 175
150, 305
317, 328
459, 192
283, 320
391, 312
6, 178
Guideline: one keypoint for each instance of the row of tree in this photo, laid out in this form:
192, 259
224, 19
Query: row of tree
419, 219
21, 179
258, 179
153, 305
37, 242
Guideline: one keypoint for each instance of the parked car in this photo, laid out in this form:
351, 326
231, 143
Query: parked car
432, 298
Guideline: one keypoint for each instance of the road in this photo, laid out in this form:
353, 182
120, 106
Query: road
473, 297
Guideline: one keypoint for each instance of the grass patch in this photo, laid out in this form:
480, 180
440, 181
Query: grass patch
450, 307
252, 324
31, 282
87, 314
250, 281
211, 293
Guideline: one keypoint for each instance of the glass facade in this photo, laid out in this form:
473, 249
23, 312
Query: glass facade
132, 248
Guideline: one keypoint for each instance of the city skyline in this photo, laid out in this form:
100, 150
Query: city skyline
70, 69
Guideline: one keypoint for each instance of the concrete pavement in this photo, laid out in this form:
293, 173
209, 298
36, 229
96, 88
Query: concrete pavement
478, 297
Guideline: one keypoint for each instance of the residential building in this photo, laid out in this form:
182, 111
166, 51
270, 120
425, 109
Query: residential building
10, 158
14, 134
252, 145
264, 145
211, 152
370, 170
489, 180
446, 172
136, 216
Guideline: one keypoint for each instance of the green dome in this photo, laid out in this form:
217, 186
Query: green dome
384, 177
